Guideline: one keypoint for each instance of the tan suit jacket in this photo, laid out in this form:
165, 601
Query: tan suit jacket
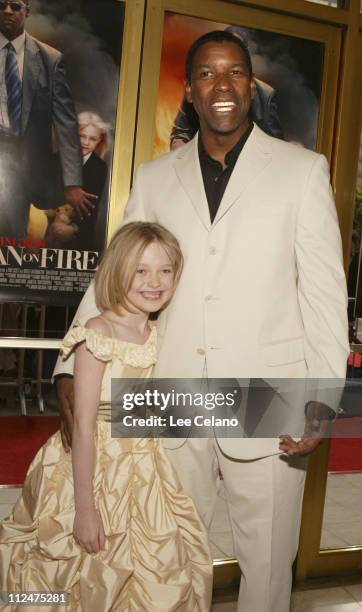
263, 291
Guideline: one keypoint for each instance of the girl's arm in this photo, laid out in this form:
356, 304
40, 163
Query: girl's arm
88, 374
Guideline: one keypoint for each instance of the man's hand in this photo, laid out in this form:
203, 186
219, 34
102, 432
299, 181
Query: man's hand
305, 445
82, 201
318, 418
65, 395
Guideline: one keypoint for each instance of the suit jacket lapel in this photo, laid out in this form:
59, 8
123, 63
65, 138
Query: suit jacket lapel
32, 64
187, 167
254, 157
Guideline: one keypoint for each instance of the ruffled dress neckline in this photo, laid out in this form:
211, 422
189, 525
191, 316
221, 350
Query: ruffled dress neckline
108, 348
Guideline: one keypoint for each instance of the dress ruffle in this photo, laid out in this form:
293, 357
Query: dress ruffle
107, 348
156, 555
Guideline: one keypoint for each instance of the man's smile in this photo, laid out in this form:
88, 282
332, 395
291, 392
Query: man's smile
223, 106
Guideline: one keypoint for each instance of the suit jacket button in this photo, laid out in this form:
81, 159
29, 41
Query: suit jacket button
200, 351
212, 250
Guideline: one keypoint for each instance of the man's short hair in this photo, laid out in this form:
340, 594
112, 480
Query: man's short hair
218, 36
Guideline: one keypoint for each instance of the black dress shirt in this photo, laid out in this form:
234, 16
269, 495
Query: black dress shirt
214, 176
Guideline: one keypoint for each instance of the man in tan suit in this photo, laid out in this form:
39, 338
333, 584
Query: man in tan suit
275, 309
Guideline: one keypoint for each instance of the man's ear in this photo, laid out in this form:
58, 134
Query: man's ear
188, 94
252, 87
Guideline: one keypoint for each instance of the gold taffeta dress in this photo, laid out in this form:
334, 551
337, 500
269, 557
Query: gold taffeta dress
156, 556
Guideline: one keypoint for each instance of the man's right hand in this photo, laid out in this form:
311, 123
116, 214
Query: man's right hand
65, 394
82, 201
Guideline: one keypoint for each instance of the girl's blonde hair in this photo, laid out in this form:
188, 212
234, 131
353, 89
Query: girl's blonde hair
119, 262
85, 119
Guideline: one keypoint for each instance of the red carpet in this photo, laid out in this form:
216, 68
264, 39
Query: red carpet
346, 452
20, 439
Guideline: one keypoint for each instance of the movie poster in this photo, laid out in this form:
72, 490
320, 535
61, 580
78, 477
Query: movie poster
288, 71
50, 248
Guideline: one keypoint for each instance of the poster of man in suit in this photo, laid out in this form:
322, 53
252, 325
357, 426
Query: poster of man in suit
288, 73
59, 76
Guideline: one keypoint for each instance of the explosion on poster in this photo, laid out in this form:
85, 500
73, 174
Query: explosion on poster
288, 72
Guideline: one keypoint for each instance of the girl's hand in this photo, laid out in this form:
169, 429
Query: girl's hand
88, 531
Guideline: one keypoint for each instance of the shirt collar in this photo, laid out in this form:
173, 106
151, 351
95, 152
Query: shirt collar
18, 43
86, 157
232, 155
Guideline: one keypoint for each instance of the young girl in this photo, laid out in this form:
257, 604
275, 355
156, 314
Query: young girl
74, 232
111, 526
94, 136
